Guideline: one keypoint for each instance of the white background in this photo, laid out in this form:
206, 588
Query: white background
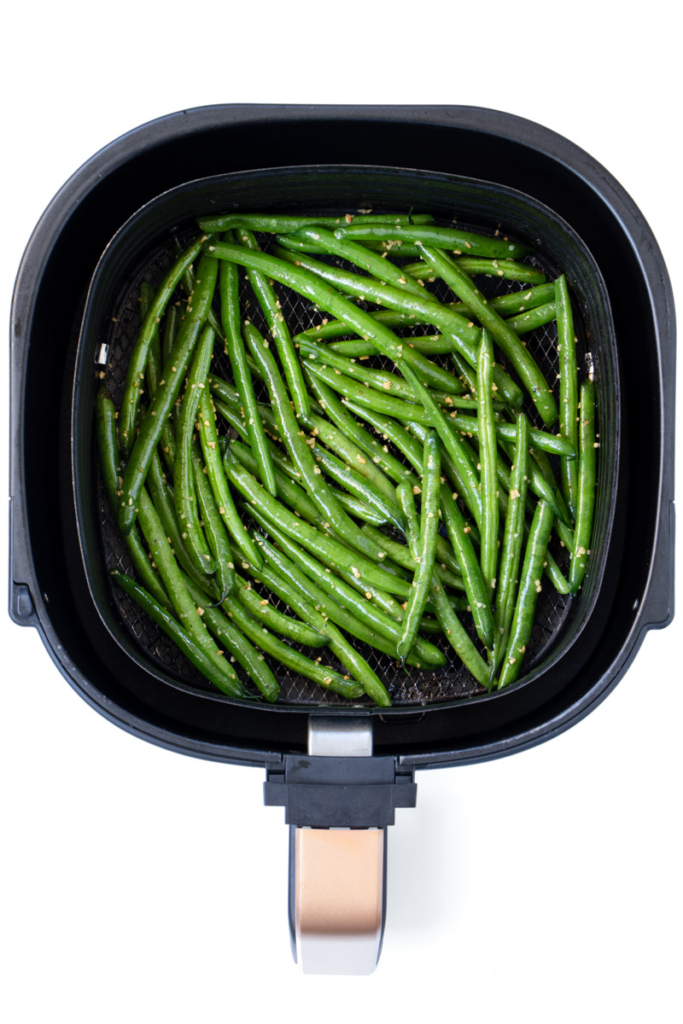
141, 886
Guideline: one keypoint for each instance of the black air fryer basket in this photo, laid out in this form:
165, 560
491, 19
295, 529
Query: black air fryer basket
336, 768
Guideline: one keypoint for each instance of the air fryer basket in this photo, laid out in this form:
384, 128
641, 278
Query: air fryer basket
143, 250
48, 585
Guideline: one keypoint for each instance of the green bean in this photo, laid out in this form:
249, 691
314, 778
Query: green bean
187, 283
566, 347
467, 337
232, 418
516, 303
462, 473
336, 441
529, 589
171, 324
382, 598
221, 389
430, 625
586, 486
277, 326
513, 541
451, 443
537, 438
284, 467
380, 400
214, 529
457, 635
358, 486
393, 431
296, 244
361, 510
138, 360
447, 621
380, 380
507, 269
322, 546
330, 329
228, 284
163, 500
519, 356
153, 367
447, 573
552, 569
352, 443
341, 592
145, 300
108, 449
265, 613
167, 392
107, 444
537, 317
153, 371
351, 574
299, 451
294, 496
398, 552
304, 245
395, 247
467, 375
430, 373
271, 426
554, 573
488, 458
284, 223
445, 238
189, 614
507, 305
429, 524
429, 345
545, 488
323, 604
369, 261
233, 640
183, 475
292, 659
170, 429
475, 585
219, 484
406, 502
347, 654
180, 637
541, 466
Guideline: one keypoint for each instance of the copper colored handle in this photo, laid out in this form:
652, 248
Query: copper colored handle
338, 899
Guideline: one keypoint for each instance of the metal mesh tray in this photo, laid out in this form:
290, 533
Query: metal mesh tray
406, 686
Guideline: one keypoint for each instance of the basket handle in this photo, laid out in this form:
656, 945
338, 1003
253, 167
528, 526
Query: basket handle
338, 800
337, 887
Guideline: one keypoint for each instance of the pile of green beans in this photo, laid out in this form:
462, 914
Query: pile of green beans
395, 475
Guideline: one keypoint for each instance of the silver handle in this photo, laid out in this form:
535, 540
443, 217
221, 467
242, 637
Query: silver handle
338, 874
338, 899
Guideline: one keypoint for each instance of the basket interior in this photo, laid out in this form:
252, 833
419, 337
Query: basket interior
143, 250
406, 686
